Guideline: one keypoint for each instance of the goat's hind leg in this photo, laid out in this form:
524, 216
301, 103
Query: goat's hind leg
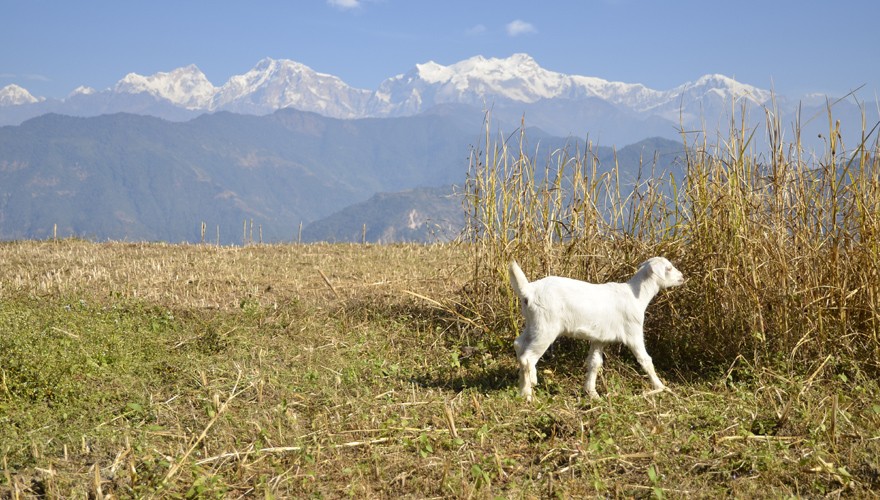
525, 383
526, 371
528, 352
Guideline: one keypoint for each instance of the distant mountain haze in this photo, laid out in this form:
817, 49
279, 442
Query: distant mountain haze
132, 177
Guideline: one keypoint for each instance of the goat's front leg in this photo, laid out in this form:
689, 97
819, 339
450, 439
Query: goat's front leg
638, 350
594, 363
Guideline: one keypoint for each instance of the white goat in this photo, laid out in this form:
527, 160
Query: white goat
602, 314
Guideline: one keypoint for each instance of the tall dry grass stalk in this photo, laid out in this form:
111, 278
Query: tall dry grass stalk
782, 248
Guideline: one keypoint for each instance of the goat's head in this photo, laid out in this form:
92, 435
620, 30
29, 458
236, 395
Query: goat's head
662, 271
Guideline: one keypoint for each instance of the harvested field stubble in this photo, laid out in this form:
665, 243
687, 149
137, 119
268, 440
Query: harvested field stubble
331, 370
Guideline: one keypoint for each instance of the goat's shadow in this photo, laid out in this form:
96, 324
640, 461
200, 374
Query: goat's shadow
502, 373
471, 361
566, 358
499, 377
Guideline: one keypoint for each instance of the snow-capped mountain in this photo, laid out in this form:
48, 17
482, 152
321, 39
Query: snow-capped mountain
186, 87
561, 104
723, 87
472, 81
13, 95
276, 84
518, 78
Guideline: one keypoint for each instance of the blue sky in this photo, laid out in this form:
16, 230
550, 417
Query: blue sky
50, 47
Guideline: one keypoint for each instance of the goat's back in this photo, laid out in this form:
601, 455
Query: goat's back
602, 312
578, 301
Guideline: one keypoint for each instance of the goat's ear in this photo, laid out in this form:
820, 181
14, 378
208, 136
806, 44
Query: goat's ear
655, 266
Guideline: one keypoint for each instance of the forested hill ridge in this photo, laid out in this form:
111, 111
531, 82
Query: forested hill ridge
131, 177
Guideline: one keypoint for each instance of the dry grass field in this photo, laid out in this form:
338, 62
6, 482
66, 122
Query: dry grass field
153, 370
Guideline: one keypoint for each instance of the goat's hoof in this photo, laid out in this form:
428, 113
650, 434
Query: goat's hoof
654, 391
594, 396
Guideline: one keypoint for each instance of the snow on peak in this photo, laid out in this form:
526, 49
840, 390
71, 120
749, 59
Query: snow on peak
724, 87
520, 78
274, 84
432, 72
264, 73
491, 69
517, 77
716, 80
82, 90
186, 86
13, 95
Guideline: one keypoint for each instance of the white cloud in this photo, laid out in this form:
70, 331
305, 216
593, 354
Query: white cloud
520, 27
344, 4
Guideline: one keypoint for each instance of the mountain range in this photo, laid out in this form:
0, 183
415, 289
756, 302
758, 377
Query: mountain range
513, 87
301, 154
274, 84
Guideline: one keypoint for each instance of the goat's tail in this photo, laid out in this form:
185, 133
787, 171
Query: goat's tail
518, 280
